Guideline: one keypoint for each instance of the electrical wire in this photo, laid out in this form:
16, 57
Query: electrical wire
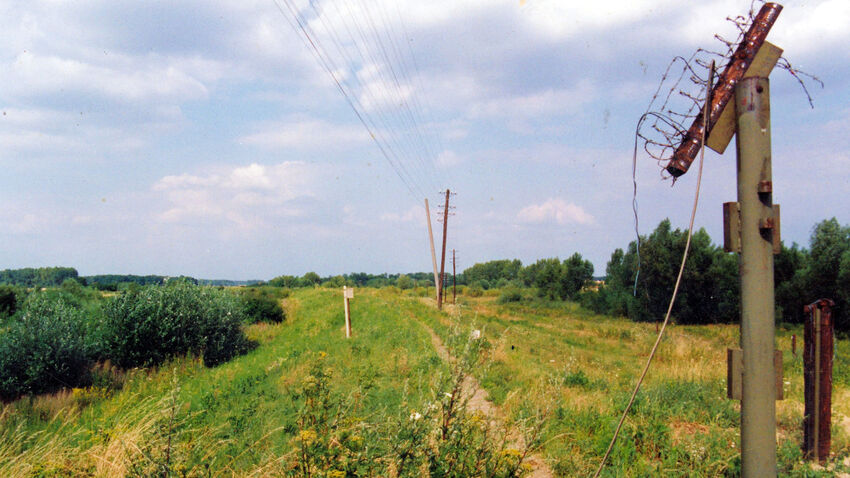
370, 70
675, 288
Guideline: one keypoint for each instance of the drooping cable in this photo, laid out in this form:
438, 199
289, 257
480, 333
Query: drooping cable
675, 288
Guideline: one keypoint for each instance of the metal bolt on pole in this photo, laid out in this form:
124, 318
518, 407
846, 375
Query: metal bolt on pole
758, 406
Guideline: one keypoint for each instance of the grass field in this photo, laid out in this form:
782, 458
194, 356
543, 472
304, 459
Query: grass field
261, 413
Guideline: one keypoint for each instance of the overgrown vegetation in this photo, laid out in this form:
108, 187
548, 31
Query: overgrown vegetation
49, 339
45, 350
155, 324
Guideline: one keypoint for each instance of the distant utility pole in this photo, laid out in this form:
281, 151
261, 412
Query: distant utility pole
433, 254
443, 257
454, 278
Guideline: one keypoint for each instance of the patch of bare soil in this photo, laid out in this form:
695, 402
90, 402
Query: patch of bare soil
478, 402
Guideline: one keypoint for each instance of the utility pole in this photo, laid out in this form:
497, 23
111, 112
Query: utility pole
443, 258
759, 232
433, 254
454, 279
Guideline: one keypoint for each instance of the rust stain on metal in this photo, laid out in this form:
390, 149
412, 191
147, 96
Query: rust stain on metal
724, 90
817, 376
765, 186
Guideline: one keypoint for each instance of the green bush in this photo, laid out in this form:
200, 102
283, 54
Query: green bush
157, 323
259, 308
8, 300
45, 349
510, 294
474, 291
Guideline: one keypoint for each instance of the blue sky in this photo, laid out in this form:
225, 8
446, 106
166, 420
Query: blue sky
203, 138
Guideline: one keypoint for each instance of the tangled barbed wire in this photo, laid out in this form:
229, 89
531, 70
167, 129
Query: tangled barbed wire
681, 92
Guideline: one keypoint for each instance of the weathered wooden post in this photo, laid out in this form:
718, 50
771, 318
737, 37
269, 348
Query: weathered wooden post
433, 254
347, 294
817, 376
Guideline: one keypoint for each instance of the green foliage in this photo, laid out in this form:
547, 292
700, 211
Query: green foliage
708, 292
157, 323
9, 299
285, 281
556, 280
404, 282
45, 350
828, 275
493, 271
258, 307
510, 294
790, 269
576, 272
41, 277
113, 282
311, 279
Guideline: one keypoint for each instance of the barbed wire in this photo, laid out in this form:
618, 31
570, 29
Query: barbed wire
681, 94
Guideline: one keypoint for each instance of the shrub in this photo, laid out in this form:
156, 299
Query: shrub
258, 308
8, 300
45, 350
474, 291
158, 323
510, 294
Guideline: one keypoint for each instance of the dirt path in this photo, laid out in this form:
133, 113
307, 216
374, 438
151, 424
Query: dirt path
478, 402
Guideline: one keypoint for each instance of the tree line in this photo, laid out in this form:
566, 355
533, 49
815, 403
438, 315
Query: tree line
639, 279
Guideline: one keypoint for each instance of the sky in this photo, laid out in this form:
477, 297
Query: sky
204, 138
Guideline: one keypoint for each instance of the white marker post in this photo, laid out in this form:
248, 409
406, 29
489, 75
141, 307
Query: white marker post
347, 294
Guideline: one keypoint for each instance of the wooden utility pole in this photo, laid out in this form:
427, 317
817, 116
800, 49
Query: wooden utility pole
454, 279
433, 254
443, 257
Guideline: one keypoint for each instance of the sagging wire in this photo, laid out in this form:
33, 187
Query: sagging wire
708, 85
369, 69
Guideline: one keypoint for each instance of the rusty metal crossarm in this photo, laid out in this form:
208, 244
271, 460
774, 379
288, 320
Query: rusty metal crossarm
724, 90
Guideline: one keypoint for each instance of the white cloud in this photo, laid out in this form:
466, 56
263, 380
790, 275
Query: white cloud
547, 102
307, 134
126, 79
448, 158
555, 210
244, 195
415, 213
560, 19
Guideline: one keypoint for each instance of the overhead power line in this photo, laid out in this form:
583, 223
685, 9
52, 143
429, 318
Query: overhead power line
357, 44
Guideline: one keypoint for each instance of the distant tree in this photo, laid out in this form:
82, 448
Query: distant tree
709, 292
335, 282
790, 281
828, 273
311, 279
404, 282
546, 275
41, 277
493, 271
576, 272
285, 281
